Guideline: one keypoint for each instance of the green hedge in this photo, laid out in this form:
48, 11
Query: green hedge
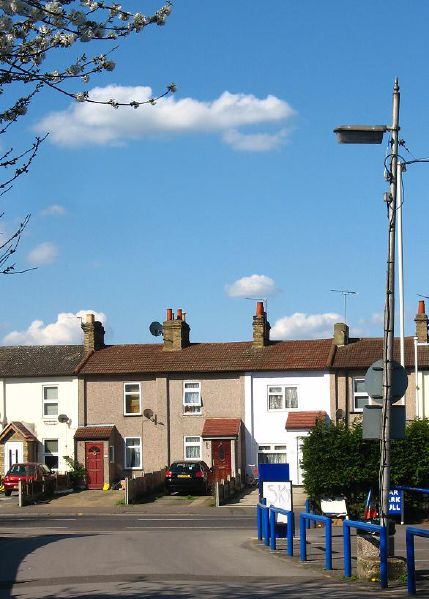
337, 461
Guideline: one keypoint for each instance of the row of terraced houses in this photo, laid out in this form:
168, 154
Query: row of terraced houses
128, 410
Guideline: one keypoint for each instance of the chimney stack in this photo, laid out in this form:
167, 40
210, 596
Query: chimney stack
176, 332
261, 327
421, 321
341, 334
93, 333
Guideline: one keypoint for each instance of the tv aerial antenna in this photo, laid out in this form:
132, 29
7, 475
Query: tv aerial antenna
345, 293
425, 296
259, 299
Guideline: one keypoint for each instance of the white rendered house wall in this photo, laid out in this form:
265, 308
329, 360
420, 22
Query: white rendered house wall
265, 428
24, 400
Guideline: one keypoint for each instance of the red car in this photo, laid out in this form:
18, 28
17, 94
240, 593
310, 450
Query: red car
28, 472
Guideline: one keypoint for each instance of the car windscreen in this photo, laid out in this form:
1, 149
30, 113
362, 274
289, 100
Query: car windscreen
184, 468
20, 470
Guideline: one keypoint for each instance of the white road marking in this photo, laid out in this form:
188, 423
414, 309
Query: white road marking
185, 528
193, 519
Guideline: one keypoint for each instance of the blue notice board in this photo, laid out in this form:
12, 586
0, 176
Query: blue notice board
396, 499
273, 472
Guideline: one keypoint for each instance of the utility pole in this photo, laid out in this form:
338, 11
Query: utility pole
389, 315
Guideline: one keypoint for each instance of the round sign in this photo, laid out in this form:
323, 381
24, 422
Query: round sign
374, 381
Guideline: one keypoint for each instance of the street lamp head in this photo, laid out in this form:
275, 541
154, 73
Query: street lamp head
360, 134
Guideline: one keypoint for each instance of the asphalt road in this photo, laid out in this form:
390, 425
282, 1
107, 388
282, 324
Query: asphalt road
158, 555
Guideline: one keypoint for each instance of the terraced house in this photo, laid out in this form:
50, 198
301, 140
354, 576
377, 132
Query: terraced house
38, 404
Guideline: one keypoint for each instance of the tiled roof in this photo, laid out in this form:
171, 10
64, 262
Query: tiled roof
210, 357
303, 420
361, 353
93, 433
221, 428
39, 360
19, 428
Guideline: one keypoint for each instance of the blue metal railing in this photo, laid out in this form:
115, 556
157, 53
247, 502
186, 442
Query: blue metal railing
309, 510
289, 528
374, 528
411, 565
303, 518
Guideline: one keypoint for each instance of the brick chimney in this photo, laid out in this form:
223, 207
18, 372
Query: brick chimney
176, 331
261, 327
421, 321
341, 334
93, 333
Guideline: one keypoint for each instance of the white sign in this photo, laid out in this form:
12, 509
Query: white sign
278, 494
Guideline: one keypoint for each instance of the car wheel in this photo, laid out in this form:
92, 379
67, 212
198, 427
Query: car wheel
8, 493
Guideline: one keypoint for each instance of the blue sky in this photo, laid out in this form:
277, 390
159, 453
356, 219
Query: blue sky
235, 187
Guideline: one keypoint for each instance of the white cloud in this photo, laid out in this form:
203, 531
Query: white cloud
54, 210
257, 142
44, 253
66, 330
253, 286
84, 123
377, 318
305, 326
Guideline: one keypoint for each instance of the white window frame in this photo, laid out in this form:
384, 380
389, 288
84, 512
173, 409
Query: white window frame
272, 448
358, 394
56, 454
187, 443
194, 409
283, 394
139, 467
50, 401
139, 413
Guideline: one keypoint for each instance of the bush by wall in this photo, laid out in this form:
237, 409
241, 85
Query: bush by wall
337, 461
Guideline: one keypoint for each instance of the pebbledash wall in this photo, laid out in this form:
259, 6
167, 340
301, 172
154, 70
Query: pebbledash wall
163, 433
22, 400
266, 430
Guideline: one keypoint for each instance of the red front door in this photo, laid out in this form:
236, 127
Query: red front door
221, 457
94, 464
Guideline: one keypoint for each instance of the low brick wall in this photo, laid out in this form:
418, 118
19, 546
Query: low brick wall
137, 488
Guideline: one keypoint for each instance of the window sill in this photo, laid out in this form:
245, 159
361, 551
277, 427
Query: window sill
133, 414
192, 414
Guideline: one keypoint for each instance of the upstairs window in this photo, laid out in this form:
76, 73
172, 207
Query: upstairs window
191, 397
360, 396
50, 401
282, 398
132, 399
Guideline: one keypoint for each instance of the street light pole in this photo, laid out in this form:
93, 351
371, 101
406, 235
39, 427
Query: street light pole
389, 315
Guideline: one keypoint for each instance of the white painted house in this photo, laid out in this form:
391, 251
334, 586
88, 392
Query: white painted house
283, 403
38, 404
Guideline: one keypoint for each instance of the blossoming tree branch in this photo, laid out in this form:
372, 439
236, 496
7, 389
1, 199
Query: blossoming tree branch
30, 33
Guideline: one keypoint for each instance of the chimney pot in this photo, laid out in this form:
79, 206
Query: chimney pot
169, 314
179, 313
421, 309
260, 309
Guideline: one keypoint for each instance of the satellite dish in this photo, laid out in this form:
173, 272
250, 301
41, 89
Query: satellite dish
63, 418
339, 414
156, 328
148, 413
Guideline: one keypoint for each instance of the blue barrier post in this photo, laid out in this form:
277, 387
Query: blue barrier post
289, 528
266, 524
308, 511
273, 519
411, 566
303, 517
259, 521
380, 530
